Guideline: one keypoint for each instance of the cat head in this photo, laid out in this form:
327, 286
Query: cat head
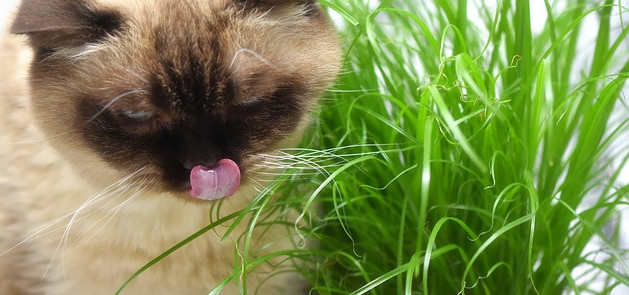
169, 86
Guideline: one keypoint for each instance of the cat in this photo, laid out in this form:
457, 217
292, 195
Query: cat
123, 121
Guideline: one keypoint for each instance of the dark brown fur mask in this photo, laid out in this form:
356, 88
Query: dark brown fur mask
164, 85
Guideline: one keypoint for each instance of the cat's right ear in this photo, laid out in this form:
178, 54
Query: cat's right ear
60, 23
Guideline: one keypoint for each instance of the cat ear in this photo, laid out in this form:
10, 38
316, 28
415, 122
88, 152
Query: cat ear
62, 22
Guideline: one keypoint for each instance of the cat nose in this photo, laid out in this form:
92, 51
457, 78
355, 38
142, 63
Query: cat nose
199, 151
191, 163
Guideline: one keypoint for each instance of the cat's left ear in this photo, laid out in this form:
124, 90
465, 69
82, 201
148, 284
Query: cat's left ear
62, 22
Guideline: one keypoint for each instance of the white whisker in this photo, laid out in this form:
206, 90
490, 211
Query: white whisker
138, 76
116, 209
40, 140
111, 199
38, 230
303, 165
101, 195
256, 185
113, 100
254, 54
282, 174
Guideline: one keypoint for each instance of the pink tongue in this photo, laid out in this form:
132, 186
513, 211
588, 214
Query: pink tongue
213, 183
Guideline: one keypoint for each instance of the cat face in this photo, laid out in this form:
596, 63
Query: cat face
173, 86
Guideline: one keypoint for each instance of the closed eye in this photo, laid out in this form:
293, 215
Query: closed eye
138, 116
251, 102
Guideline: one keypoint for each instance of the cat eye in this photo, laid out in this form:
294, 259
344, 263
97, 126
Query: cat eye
251, 102
137, 115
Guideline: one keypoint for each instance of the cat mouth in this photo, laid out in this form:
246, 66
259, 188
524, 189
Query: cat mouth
217, 182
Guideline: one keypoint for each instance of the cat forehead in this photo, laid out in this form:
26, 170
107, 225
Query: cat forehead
219, 44
210, 46
283, 9
158, 9
262, 28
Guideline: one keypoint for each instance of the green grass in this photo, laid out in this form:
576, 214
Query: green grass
462, 156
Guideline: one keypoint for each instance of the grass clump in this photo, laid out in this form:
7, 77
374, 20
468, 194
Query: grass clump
481, 160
